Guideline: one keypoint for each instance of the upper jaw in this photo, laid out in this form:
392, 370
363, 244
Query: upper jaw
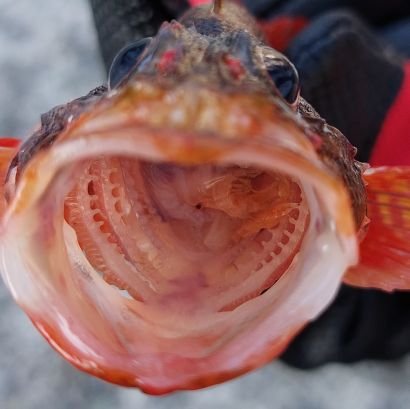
194, 125
197, 109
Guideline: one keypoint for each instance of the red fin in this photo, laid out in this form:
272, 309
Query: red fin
8, 147
6, 142
385, 251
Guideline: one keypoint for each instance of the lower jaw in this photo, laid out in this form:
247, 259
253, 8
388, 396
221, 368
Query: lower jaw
171, 329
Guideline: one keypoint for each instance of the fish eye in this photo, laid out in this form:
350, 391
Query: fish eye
284, 75
125, 60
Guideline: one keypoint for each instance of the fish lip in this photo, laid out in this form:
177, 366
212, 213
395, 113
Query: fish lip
86, 140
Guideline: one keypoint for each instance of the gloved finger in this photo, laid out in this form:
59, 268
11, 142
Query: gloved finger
398, 35
349, 75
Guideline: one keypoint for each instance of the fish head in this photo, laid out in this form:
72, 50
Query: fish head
223, 52
184, 227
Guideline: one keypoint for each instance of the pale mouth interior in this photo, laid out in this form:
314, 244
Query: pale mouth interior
204, 238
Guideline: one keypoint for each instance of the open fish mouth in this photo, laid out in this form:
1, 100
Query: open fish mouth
173, 238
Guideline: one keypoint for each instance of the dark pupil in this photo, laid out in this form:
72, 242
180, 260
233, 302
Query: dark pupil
286, 79
125, 61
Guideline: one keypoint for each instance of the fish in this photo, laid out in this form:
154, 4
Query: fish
179, 226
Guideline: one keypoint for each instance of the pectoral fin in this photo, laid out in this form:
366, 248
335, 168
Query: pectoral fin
385, 250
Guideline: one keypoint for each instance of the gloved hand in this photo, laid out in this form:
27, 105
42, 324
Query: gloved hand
351, 56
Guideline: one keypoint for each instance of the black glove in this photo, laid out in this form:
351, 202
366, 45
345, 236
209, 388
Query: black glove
119, 22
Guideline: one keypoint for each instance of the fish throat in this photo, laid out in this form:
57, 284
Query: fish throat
187, 238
